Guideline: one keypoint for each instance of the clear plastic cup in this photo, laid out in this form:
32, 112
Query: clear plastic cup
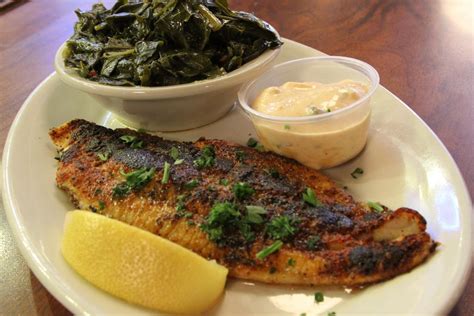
322, 140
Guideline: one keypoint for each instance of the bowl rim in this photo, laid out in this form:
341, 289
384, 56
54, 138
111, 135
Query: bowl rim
235, 77
372, 74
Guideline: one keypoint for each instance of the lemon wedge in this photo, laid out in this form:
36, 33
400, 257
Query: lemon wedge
138, 266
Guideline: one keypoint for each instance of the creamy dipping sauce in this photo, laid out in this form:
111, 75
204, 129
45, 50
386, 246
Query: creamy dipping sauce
309, 98
322, 143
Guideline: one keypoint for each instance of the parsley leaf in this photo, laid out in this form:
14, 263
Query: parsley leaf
254, 214
224, 182
174, 153
318, 297
103, 156
166, 173
375, 206
191, 184
206, 159
262, 254
221, 215
132, 141
252, 142
291, 262
281, 227
357, 172
242, 190
178, 161
310, 198
313, 242
133, 180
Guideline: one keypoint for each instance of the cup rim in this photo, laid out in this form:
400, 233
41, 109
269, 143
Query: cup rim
371, 73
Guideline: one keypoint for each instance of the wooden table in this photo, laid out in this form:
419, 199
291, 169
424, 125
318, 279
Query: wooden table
423, 50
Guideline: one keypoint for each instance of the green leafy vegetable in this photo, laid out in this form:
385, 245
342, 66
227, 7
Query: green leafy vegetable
191, 184
242, 190
103, 156
178, 161
166, 173
254, 214
357, 172
133, 181
252, 142
375, 206
101, 205
206, 159
291, 262
318, 297
132, 141
265, 252
221, 216
174, 153
164, 42
310, 197
282, 227
313, 242
224, 182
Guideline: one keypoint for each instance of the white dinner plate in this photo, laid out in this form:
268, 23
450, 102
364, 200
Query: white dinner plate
404, 164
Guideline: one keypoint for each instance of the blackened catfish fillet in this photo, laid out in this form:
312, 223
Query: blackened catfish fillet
265, 217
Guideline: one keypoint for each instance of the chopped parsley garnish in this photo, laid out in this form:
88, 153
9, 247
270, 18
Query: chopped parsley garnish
133, 180
224, 182
184, 214
313, 242
286, 126
101, 205
174, 153
180, 203
318, 297
242, 190
272, 270
121, 190
206, 159
252, 142
103, 156
291, 262
191, 184
282, 227
240, 155
260, 148
357, 172
375, 206
274, 173
178, 161
265, 252
220, 216
132, 141
332, 314
303, 314
254, 214
166, 173
310, 198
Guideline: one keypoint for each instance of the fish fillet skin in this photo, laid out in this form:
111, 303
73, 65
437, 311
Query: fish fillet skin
339, 242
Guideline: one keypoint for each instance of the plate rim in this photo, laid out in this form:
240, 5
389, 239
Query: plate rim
57, 289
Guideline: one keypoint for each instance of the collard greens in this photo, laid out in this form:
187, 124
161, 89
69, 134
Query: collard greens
164, 42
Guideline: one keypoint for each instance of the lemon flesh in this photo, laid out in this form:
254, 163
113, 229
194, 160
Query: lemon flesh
140, 267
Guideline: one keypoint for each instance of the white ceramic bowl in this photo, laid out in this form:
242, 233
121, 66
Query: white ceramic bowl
169, 108
322, 140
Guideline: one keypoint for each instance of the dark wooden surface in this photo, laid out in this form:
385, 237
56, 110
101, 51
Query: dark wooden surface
423, 50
